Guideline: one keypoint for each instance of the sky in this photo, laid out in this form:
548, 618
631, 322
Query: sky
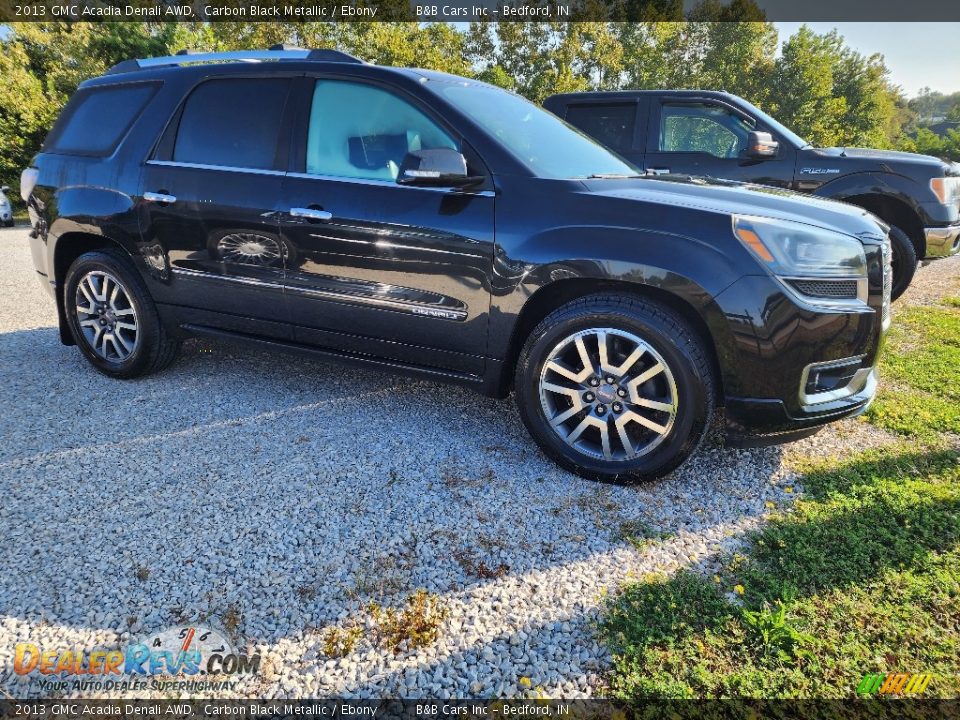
918, 54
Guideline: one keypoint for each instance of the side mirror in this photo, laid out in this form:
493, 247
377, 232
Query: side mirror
761, 145
5, 189
440, 167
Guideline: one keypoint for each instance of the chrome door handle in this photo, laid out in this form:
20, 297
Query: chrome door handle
159, 198
311, 213
658, 171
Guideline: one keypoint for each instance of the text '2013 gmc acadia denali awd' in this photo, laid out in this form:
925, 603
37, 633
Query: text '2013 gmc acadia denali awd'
434, 225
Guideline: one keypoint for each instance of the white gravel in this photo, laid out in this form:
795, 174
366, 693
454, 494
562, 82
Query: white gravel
276, 497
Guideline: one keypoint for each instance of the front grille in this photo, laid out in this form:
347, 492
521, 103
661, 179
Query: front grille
887, 281
833, 289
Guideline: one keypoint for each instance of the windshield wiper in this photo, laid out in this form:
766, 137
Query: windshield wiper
612, 176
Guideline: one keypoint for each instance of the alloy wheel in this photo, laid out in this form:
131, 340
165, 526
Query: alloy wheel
106, 316
608, 393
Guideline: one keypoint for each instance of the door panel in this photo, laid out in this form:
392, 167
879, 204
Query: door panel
211, 198
389, 270
404, 265
709, 139
220, 237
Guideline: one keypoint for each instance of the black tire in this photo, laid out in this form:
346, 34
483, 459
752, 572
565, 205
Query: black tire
8, 223
904, 261
665, 334
152, 348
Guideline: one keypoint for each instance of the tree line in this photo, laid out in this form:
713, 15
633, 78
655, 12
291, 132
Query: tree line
819, 87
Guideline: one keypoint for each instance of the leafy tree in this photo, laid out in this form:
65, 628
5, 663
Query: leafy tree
832, 95
41, 65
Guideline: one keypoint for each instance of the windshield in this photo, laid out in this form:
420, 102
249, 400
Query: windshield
787, 133
539, 139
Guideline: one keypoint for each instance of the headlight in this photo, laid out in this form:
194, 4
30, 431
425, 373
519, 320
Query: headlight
792, 249
823, 266
947, 189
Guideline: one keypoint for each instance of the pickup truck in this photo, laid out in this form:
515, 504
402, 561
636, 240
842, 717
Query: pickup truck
719, 135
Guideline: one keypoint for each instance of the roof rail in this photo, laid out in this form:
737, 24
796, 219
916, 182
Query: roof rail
277, 52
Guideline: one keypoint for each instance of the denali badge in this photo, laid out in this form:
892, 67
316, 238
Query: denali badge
445, 314
821, 171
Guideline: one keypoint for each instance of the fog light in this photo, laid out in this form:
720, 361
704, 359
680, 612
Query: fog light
833, 380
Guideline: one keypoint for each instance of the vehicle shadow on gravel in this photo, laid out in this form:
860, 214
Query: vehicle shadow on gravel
276, 497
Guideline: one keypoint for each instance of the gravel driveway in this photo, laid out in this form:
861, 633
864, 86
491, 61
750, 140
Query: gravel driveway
276, 497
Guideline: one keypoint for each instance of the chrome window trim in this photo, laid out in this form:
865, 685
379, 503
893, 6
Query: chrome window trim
384, 303
328, 178
225, 168
390, 183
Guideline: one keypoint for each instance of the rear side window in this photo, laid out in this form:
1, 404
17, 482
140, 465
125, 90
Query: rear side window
611, 124
97, 119
233, 122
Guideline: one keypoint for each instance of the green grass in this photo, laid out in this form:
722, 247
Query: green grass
922, 360
862, 575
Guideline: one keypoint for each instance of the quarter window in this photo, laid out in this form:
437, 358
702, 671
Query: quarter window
233, 122
97, 118
610, 124
703, 128
362, 131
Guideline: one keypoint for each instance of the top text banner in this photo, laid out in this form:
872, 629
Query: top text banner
479, 10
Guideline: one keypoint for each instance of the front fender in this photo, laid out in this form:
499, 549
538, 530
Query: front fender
900, 187
689, 270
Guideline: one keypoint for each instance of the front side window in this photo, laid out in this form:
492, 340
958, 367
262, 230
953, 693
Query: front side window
233, 122
703, 128
610, 124
98, 118
362, 131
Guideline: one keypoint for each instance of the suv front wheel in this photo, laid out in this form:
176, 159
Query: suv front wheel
113, 319
615, 386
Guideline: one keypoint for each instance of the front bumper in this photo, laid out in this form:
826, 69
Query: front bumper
755, 422
789, 367
942, 241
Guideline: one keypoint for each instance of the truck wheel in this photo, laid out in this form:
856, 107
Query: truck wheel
903, 259
614, 387
112, 317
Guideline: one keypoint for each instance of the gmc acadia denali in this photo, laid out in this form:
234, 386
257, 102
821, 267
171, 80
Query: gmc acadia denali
421, 222
699, 132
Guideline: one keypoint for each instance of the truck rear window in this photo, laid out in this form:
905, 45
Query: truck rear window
96, 119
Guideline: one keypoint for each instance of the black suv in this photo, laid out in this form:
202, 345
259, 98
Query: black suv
716, 134
421, 222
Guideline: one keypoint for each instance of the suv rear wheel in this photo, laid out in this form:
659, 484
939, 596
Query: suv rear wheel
613, 386
112, 317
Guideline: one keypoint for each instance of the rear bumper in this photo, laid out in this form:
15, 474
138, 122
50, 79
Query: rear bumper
942, 241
